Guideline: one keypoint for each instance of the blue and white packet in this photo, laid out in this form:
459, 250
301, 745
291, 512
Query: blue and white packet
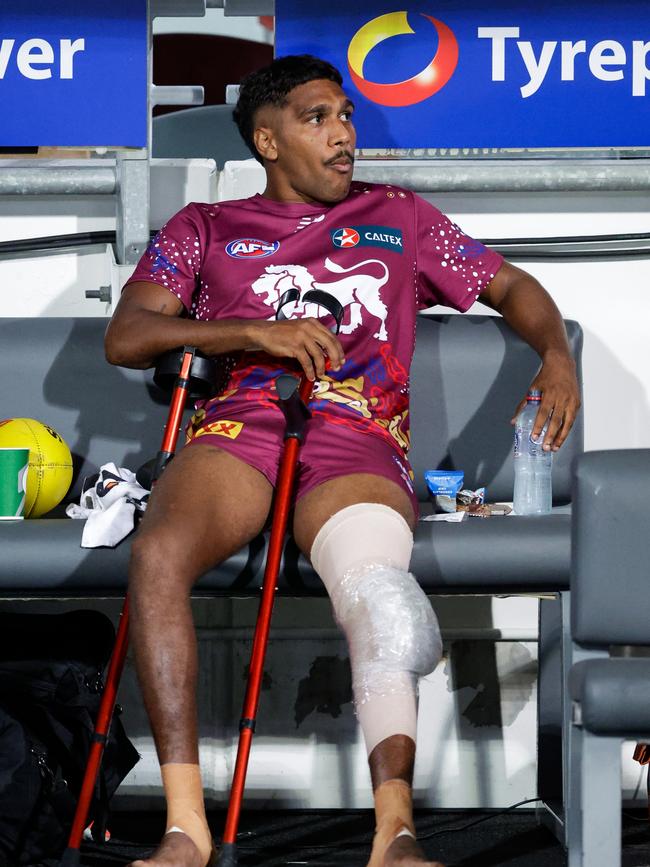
444, 485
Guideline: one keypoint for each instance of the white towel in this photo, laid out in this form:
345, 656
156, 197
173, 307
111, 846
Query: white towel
109, 502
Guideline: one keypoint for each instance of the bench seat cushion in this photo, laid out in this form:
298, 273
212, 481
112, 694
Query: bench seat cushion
614, 695
43, 557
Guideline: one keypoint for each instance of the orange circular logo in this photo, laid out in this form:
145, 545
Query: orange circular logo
419, 87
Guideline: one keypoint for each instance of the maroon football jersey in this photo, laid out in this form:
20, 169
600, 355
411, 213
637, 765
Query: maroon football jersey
382, 252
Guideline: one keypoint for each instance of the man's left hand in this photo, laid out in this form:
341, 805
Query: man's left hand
558, 383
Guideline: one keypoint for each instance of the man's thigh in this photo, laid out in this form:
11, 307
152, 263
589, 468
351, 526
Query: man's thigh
206, 505
320, 503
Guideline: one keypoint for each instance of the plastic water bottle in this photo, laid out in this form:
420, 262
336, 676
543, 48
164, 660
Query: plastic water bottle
533, 466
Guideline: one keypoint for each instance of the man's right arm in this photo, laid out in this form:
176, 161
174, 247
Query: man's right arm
147, 323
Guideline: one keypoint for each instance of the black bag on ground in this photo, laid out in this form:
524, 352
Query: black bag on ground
51, 679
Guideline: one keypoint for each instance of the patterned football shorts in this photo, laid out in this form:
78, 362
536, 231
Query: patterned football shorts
255, 435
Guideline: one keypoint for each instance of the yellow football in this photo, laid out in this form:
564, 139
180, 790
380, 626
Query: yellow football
50, 463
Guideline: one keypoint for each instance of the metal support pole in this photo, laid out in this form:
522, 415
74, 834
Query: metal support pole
60, 177
571, 654
132, 211
132, 205
57, 178
549, 716
507, 176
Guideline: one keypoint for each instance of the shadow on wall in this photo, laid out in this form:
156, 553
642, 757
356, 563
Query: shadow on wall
616, 405
120, 420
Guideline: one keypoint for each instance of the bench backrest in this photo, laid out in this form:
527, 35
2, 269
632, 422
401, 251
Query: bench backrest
610, 567
60, 377
469, 373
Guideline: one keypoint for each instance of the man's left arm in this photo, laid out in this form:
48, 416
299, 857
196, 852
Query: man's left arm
531, 312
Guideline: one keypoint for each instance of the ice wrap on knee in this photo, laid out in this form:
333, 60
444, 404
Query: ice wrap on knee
362, 555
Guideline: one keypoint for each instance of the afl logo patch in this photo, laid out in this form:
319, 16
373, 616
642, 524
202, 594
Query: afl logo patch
251, 248
345, 237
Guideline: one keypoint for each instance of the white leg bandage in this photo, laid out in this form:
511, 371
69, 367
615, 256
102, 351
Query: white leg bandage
362, 555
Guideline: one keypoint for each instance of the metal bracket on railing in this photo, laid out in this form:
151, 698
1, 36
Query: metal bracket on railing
243, 7
176, 94
232, 94
173, 8
103, 294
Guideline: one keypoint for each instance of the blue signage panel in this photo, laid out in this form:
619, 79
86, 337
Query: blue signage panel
73, 73
439, 73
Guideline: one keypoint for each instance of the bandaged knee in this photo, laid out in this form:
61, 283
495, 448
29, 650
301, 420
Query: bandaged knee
362, 555
185, 805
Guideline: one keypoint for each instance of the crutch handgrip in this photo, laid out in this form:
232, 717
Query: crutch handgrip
185, 373
319, 297
202, 374
293, 405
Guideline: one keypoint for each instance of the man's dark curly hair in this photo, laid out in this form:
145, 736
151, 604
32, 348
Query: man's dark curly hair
272, 84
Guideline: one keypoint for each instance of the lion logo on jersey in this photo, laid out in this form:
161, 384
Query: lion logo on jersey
356, 292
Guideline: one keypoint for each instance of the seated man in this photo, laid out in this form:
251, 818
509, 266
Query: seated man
212, 278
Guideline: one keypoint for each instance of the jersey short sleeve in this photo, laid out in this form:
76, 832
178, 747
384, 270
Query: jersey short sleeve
452, 268
174, 256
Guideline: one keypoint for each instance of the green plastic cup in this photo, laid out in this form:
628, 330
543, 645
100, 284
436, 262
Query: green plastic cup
14, 464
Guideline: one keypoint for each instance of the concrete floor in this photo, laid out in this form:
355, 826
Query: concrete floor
334, 838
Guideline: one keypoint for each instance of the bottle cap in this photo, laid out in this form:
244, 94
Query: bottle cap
534, 395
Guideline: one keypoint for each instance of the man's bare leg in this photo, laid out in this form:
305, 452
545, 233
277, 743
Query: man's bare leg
393, 758
206, 506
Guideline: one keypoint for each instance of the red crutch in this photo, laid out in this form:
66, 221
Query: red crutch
188, 373
293, 394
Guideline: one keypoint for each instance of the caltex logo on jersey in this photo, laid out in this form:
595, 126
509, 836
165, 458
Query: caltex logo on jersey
251, 248
368, 236
345, 238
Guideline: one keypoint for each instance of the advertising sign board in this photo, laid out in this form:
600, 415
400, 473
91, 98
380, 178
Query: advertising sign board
73, 73
446, 74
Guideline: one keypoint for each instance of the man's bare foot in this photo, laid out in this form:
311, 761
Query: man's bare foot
175, 850
404, 851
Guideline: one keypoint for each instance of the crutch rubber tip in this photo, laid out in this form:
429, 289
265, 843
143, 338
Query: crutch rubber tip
70, 858
227, 855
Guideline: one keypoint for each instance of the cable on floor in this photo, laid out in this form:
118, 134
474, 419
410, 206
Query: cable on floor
354, 845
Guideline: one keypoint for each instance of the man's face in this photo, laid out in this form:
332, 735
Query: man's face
309, 143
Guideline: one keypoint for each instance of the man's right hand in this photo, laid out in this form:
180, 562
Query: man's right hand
307, 340
147, 322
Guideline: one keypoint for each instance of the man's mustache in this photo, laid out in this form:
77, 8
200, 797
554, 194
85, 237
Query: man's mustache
340, 156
